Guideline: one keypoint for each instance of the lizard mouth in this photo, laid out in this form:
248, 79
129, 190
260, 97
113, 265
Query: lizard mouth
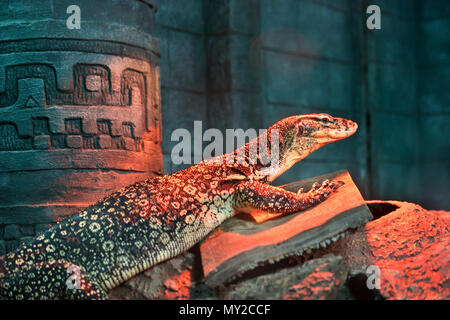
341, 129
344, 132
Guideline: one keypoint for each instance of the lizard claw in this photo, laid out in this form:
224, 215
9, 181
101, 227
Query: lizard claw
323, 191
336, 184
315, 186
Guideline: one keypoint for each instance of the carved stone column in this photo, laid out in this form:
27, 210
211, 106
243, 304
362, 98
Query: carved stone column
80, 112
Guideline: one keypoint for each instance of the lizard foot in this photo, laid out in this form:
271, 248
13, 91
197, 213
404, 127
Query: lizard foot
320, 192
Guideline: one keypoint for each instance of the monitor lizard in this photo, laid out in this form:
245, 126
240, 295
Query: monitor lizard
129, 231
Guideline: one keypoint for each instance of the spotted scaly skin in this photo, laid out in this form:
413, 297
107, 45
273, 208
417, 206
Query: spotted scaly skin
127, 232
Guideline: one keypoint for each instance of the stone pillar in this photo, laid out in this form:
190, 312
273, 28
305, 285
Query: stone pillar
80, 112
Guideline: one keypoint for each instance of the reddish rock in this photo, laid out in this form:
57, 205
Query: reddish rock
318, 285
412, 248
409, 245
315, 279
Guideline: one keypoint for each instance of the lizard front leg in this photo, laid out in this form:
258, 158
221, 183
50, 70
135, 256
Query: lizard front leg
254, 196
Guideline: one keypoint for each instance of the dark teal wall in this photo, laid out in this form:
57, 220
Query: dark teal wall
182, 68
391, 103
250, 63
433, 67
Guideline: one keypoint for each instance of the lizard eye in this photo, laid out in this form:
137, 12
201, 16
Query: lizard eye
325, 120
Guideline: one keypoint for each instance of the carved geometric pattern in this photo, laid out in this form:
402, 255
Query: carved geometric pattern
80, 94
10, 139
91, 87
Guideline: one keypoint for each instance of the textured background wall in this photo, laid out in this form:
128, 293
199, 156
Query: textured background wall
250, 63
181, 29
80, 111
391, 103
433, 101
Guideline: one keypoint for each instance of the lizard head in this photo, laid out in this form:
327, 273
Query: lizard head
319, 129
301, 135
